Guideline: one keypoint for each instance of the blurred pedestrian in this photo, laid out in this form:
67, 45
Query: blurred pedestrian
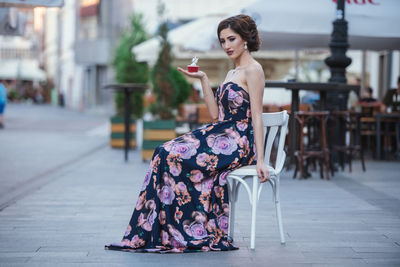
367, 96
353, 99
392, 98
3, 101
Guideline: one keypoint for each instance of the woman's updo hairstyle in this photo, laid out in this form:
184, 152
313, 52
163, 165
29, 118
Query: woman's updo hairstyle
246, 27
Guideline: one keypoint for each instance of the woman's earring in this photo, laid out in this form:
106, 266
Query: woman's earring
245, 46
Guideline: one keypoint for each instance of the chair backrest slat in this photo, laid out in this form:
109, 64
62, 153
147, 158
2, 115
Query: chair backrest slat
275, 124
270, 140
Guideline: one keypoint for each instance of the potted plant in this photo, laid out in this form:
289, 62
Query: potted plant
128, 70
171, 89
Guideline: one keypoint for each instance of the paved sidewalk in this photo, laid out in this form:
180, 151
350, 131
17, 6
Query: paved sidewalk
352, 220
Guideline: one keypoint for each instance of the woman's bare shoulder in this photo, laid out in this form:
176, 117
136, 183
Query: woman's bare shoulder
254, 68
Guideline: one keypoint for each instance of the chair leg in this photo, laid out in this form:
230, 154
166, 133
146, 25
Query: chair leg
296, 168
253, 211
278, 210
362, 159
232, 210
321, 169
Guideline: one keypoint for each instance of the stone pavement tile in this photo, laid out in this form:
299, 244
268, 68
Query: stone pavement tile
347, 254
352, 264
383, 261
329, 244
14, 257
377, 249
380, 255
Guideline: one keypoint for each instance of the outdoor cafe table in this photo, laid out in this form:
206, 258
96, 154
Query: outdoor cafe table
295, 87
127, 89
395, 116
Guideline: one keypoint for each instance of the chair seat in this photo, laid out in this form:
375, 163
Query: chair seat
250, 170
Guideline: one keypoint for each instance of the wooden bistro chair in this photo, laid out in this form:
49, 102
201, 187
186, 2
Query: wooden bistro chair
275, 128
350, 120
317, 148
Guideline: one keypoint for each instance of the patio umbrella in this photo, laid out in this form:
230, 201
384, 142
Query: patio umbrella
31, 3
293, 24
194, 35
24, 69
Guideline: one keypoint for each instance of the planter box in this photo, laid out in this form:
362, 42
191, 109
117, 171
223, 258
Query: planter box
117, 137
156, 133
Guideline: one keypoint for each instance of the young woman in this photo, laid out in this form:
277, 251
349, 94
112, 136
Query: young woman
183, 205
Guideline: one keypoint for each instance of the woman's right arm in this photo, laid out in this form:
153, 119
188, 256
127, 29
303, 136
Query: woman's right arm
209, 98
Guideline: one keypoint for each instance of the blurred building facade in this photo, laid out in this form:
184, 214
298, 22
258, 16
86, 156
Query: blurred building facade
74, 45
78, 43
19, 49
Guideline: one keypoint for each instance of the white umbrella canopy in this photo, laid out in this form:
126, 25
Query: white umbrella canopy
293, 24
26, 69
195, 35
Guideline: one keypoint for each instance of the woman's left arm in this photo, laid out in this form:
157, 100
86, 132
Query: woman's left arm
256, 83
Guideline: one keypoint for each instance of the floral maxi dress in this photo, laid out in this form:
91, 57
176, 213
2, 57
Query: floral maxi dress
183, 204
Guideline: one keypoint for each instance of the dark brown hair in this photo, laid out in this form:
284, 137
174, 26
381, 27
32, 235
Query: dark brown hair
246, 27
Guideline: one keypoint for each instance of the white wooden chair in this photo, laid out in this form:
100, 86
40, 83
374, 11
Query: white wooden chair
273, 123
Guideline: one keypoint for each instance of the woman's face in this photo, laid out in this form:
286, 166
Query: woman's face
231, 42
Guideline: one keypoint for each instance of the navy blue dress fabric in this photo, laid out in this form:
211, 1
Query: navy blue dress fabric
183, 205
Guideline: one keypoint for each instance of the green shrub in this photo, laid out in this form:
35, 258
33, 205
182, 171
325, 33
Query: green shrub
170, 86
127, 69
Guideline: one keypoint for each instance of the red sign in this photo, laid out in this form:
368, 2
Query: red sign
361, 2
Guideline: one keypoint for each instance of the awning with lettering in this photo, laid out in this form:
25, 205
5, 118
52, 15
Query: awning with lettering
288, 24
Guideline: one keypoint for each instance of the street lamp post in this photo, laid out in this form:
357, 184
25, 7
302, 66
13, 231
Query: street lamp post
338, 61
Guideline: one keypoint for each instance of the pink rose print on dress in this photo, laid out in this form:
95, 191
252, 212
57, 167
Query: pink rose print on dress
198, 231
221, 113
180, 188
201, 159
125, 242
222, 178
196, 176
211, 225
146, 179
244, 142
166, 195
162, 217
235, 98
136, 242
168, 180
141, 201
207, 185
185, 146
242, 125
177, 239
223, 222
146, 220
128, 230
224, 143
164, 238
175, 170
173, 161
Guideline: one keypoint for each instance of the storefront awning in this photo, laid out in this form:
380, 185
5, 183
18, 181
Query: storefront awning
21, 70
31, 3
